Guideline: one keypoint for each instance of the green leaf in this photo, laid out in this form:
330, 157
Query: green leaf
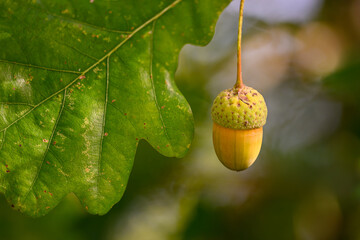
81, 83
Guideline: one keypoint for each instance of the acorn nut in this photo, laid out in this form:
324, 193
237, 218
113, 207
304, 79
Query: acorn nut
239, 115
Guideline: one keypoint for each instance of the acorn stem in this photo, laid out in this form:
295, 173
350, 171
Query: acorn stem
239, 82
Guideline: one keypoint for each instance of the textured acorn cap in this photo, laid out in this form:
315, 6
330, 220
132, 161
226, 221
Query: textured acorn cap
239, 108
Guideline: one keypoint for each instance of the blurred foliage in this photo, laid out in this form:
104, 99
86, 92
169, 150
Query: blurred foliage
306, 182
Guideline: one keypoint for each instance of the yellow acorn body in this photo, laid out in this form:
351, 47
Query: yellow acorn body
239, 115
237, 149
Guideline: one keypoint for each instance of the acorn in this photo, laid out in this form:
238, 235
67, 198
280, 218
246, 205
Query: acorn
239, 115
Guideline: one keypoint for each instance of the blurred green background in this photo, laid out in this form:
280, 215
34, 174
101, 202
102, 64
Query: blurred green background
304, 57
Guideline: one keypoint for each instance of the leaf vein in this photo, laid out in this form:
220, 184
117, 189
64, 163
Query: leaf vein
47, 147
3, 140
103, 123
77, 50
153, 85
16, 103
75, 21
19, 133
122, 113
40, 67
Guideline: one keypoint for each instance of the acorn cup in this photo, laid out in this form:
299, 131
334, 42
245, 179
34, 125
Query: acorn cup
238, 115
